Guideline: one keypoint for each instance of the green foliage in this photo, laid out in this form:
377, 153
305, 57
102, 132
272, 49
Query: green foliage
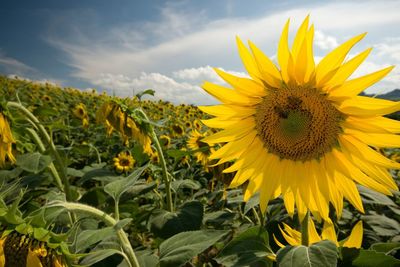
323, 253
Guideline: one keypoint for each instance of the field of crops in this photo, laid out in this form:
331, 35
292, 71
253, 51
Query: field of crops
93, 180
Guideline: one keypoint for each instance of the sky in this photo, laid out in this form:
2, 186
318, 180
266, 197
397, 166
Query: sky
127, 46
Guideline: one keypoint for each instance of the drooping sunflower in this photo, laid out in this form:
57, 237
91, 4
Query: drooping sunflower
293, 237
124, 161
202, 149
81, 113
6, 141
114, 118
300, 129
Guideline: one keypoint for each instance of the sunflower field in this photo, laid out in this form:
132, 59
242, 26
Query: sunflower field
297, 176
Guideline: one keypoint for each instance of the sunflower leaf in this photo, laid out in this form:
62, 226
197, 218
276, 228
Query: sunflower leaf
248, 248
323, 253
116, 188
371, 258
180, 248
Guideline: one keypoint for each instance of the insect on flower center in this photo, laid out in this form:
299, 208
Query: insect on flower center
298, 123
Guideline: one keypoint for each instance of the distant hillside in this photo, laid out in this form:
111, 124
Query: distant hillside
392, 95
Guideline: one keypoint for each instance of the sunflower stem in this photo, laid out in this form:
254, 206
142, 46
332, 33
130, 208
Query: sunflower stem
108, 220
304, 229
42, 149
166, 179
36, 123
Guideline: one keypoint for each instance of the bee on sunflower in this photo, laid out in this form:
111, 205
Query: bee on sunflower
300, 129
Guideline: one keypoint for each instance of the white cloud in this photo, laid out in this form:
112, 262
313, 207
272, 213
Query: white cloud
12, 65
166, 88
324, 41
178, 44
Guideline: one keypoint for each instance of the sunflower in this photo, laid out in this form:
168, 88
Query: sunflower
165, 140
6, 141
124, 162
293, 237
301, 130
177, 130
202, 150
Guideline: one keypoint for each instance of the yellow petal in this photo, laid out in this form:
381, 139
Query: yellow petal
288, 199
230, 134
270, 181
244, 86
356, 86
347, 69
376, 140
229, 96
328, 232
232, 147
268, 70
248, 60
283, 52
368, 106
313, 236
300, 37
362, 150
228, 111
355, 238
335, 58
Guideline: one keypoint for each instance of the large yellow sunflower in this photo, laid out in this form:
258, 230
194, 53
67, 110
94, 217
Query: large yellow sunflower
301, 130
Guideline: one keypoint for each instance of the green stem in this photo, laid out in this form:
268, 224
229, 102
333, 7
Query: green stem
53, 149
42, 149
116, 209
108, 220
304, 230
165, 175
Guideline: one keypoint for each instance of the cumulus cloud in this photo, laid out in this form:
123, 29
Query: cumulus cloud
176, 53
166, 87
324, 41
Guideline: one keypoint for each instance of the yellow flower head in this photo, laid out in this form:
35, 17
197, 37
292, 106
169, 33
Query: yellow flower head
293, 237
124, 162
177, 129
300, 129
6, 141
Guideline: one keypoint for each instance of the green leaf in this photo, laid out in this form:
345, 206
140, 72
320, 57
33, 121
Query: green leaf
219, 217
385, 247
247, 249
145, 92
185, 183
165, 224
146, 258
87, 238
323, 253
370, 258
33, 162
98, 255
253, 201
382, 225
116, 188
347, 255
372, 197
182, 247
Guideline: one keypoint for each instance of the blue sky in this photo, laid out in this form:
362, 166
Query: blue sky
171, 46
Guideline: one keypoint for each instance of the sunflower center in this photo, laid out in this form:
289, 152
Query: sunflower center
298, 123
124, 162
